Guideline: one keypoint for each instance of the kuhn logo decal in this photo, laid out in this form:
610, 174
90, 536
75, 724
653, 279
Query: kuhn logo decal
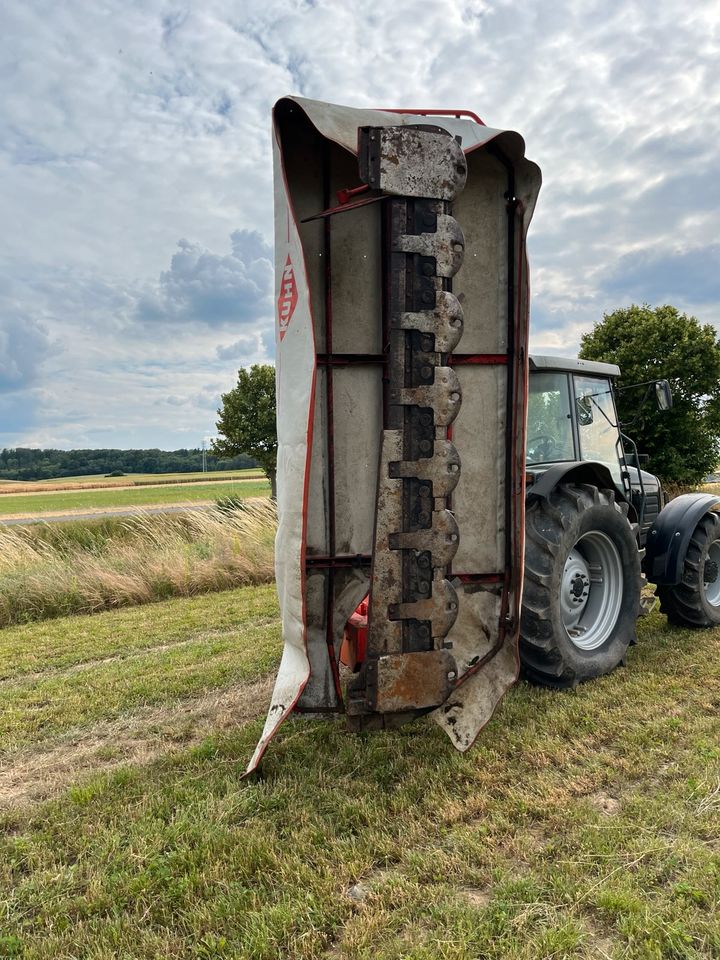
287, 300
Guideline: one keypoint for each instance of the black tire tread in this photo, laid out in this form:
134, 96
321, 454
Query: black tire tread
546, 523
682, 602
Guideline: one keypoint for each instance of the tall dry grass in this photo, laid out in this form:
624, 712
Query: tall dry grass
52, 570
677, 489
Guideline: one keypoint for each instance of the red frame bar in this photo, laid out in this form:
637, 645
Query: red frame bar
348, 359
458, 114
477, 359
343, 196
343, 208
454, 359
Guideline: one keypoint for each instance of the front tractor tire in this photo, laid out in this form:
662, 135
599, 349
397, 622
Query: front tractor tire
695, 601
582, 586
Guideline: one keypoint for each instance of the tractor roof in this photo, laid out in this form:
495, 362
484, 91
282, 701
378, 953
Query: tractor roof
574, 365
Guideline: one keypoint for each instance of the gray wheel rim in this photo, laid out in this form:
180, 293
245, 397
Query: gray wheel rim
591, 591
712, 568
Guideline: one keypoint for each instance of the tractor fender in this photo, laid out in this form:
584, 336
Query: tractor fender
669, 536
576, 471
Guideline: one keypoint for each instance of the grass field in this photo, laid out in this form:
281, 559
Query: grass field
84, 566
92, 481
30, 504
583, 825
152, 477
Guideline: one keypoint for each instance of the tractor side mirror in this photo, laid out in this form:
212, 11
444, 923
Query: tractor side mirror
663, 393
639, 460
584, 410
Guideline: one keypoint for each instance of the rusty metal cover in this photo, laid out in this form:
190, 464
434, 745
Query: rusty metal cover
388, 161
413, 681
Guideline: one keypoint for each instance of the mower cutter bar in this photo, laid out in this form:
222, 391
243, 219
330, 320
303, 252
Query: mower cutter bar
408, 665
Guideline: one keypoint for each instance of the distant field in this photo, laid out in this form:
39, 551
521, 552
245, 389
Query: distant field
98, 480
29, 504
155, 477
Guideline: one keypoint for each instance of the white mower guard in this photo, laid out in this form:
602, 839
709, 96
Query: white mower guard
332, 365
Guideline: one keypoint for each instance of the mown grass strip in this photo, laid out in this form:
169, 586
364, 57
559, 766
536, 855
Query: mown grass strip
48, 768
35, 711
583, 825
69, 641
155, 659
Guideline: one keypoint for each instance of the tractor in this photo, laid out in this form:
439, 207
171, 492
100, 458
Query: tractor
451, 510
598, 527
590, 513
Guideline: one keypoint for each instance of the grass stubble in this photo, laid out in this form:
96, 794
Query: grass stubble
582, 824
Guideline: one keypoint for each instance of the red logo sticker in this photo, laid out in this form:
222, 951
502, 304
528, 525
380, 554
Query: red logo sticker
287, 300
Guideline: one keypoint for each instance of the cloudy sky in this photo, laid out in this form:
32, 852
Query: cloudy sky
136, 209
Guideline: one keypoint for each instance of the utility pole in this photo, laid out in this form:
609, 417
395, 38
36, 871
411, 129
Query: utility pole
204, 456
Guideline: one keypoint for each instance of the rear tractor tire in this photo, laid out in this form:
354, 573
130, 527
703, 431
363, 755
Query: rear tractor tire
582, 586
695, 601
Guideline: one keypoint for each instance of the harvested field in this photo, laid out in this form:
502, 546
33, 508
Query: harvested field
86, 500
101, 481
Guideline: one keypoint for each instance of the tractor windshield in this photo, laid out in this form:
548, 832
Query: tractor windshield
597, 421
549, 425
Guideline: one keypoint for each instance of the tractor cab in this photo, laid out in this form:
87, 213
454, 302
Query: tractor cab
572, 415
572, 420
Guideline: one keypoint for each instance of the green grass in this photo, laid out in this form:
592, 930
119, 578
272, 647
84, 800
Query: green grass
583, 824
72, 641
130, 659
31, 504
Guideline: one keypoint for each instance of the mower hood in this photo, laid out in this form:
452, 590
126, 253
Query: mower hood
401, 356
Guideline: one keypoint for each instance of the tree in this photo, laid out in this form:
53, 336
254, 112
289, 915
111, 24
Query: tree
662, 343
247, 419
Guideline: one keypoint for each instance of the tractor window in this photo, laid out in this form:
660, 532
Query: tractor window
597, 422
549, 425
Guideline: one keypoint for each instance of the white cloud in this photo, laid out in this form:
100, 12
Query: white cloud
206, 288
244, 347
24, 344
126, 130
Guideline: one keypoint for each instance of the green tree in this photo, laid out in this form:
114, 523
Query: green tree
247, 419
662, 343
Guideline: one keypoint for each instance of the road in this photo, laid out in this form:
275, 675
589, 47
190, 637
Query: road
100, 514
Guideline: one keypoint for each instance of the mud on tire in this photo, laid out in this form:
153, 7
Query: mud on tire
695, 601
580, 543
